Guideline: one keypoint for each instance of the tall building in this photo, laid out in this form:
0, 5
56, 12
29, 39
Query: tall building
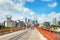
26, 20
59, 23
54, 21
20, 24
33, 21
36, 22
46, 24
9, 23
29, 22
3, 23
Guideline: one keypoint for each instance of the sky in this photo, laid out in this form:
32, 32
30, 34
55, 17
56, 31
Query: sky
42, 10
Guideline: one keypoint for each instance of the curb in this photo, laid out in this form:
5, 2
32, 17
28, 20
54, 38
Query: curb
42, 37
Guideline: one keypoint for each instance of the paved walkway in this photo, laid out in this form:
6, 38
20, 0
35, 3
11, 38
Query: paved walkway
30, 34
34, 35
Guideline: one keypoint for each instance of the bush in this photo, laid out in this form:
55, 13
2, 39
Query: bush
55, 26
2, 26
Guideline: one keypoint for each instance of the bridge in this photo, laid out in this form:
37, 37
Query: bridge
32, 34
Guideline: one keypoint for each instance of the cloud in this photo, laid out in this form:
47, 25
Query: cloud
14, 8
30, 0
21, 17
53, 5
54, 14
22, 2
42, 18
49, 17
28, 11
4, 1
32, 13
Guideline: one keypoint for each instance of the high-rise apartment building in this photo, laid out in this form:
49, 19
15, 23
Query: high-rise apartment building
54, 21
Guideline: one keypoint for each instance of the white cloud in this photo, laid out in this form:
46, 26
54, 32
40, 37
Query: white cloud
42, 18
32, 13
49, 17
21, 17
8, 7
4, 1
53, 5
54, 14
30, 0
26, 10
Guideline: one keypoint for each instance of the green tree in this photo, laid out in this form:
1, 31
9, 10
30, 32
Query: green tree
55, 26
2, 26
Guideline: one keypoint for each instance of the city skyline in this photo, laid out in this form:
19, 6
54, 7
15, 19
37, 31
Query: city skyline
43, 10
29, 19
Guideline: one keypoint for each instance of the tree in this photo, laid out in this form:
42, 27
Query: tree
55, 26
2, 26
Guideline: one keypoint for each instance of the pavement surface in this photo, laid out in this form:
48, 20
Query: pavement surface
27, 34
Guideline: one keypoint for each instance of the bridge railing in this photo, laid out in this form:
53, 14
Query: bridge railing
47, 33
10, 29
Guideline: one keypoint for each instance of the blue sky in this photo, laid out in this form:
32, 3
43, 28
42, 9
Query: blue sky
40, 6
42, 10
